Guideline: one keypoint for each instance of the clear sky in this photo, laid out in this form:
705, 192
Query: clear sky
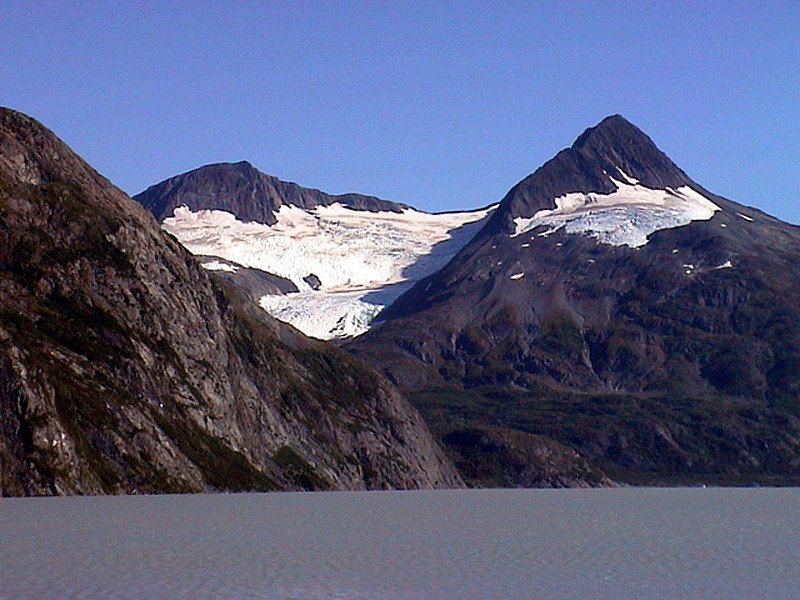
442, 105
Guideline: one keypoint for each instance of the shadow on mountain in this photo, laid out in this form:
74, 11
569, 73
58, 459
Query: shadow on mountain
427, 264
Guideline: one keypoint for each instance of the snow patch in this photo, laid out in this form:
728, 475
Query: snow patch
745, 217
627, 177
364, 260
216, 265
517, 276
626, 217
726, 265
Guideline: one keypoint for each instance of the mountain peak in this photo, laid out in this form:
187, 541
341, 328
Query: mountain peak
613, 150
32, 154
614, 128
618, 144
246, 192
609, 283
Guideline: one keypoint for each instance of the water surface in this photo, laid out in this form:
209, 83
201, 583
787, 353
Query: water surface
473, 544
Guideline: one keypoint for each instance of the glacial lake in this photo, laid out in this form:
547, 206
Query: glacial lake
471, 544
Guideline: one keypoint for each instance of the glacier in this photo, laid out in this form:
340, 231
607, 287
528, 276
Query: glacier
626, 217
364, 260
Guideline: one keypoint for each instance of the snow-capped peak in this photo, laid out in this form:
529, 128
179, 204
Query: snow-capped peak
625, 217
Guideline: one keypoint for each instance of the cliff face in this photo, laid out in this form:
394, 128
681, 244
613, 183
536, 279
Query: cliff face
125, 367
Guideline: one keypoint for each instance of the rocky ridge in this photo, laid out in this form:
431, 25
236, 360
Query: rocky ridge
244, 191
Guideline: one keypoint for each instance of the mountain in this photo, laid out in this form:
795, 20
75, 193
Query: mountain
242, 190
126, 367
615, 307
347, 256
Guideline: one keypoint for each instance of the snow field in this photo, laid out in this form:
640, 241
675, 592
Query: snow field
626, 217
361, 258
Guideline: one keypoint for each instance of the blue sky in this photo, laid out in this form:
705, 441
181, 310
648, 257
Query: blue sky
441, 105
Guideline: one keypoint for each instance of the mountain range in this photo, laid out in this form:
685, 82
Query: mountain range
609, 308
609, 321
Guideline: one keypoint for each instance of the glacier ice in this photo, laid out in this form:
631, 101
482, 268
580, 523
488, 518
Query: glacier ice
364, 260
626, 217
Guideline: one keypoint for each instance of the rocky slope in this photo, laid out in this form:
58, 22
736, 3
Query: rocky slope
615, 306
244, 191
125, 368
254, 283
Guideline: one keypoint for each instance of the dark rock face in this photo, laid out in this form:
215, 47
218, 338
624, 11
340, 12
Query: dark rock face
124, 367
254, 283
674, 362
500, 457
313, 281
244, 191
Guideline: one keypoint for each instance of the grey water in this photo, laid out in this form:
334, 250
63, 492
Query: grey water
468, 544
